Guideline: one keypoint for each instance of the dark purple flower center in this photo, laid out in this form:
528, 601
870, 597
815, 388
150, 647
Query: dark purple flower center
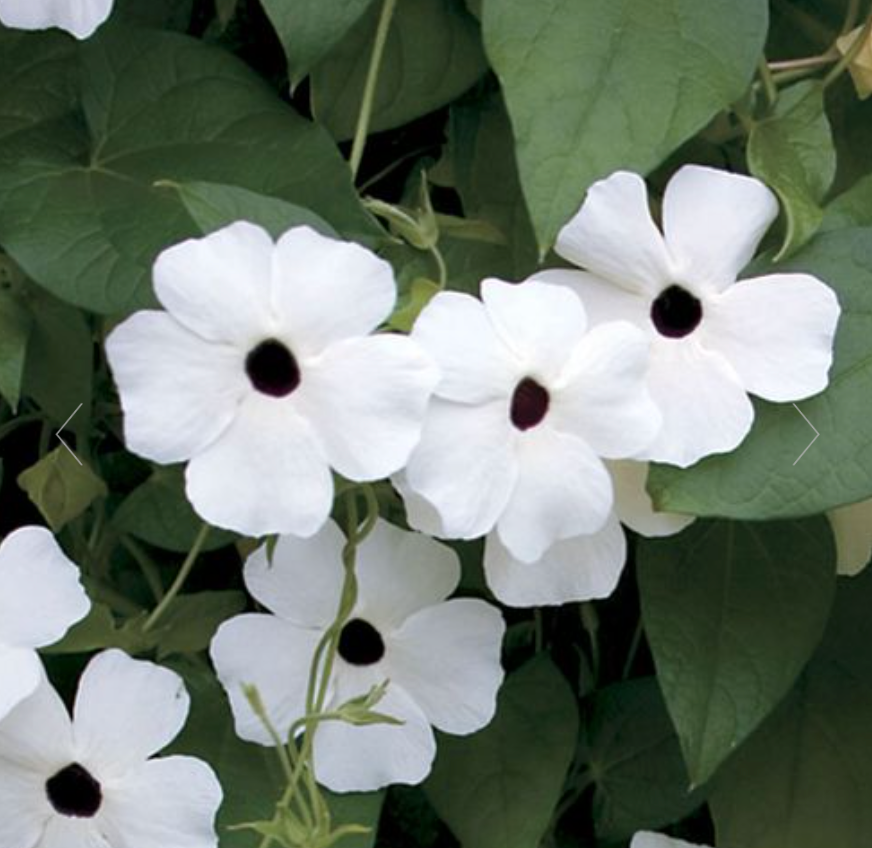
74, 792
676, 312
529, 404
272, 369
360, 643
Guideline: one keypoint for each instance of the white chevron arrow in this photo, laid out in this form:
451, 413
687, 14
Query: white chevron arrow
58, 434
816, 434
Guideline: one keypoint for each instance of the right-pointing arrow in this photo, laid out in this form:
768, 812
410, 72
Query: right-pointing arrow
816, 434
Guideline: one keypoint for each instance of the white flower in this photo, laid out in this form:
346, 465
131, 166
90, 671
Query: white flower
714, 340
40, 599
527, 405
852, 528
646, 839
442, 658
578, 569
79, 17
261, 374
88, 782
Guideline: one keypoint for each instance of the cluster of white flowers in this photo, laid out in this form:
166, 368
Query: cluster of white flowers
87, 781
527, 417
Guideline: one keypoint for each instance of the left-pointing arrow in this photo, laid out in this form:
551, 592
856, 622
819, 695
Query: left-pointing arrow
58, 434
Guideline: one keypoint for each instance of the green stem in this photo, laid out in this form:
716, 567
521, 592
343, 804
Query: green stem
806, 63
590, 623
634, 649
856, 46
177, 584
851, 15
440, 265
147, 566
362, 129
769, 88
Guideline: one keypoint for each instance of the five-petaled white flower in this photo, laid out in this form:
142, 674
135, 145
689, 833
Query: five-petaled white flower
647, 839
79, 17
262, 374
714, 340
40, 599
441, 658
88, 782
527, 404
577, 569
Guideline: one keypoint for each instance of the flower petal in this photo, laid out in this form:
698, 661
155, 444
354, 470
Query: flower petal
40, 593
476, 367
303, 582
125, 711
366, 758
79, 17
646, 839
603, 301
399, 573
613, 236
777, 332
265, 474
447, 658
540, 323
20, 674
38, 735
219, 286
704, 405
178, 392
465, 465
713, 221
69, 832
326, 290
563, 490
366, 400
633, 503
23, 805
852, 528
421, 515
578, 569
170, 801
271, 654
604, 397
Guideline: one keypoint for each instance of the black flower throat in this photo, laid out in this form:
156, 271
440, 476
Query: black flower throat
73, 791
272, 369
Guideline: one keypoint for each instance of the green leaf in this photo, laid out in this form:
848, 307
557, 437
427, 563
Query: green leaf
605, 84
79, 207
805, 778
432, 55
16, 323
483, 162
39, 75
191, 620
634, 760
250, 774
792, 151
57, 373
759, 479
157, 512
99, 630
499, 787
213, 206
732, 612
853, 208
310, 29
60, 487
